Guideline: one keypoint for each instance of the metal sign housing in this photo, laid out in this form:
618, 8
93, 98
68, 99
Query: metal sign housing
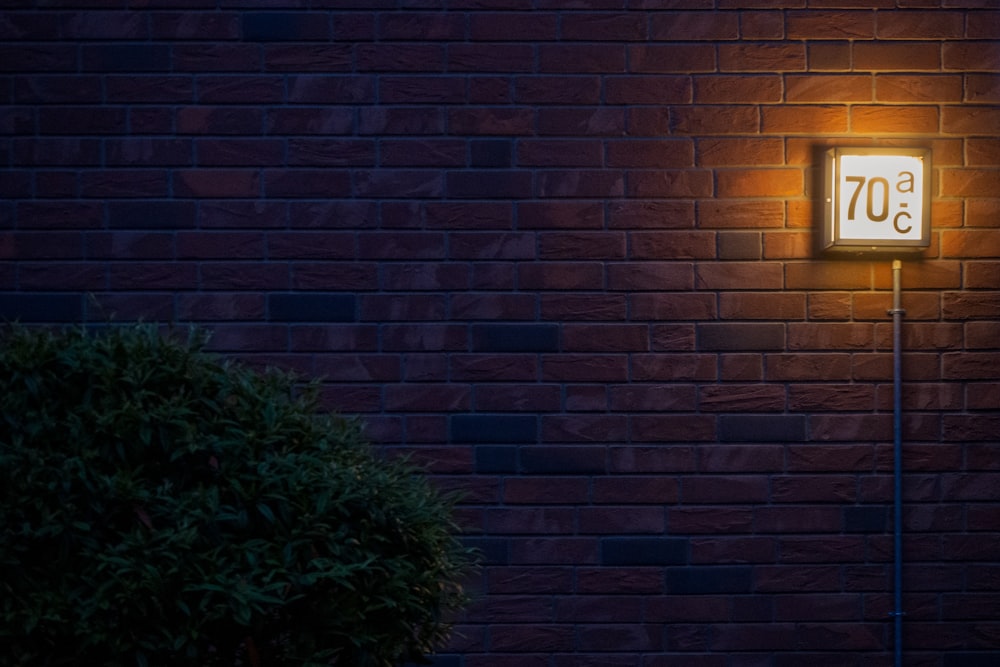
877, 199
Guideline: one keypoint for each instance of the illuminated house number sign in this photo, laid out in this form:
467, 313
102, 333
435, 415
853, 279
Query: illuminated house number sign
877, 199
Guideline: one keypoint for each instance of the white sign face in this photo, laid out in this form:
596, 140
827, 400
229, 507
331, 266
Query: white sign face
880, 197
877, 199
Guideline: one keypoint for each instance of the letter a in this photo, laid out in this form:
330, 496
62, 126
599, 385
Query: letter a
908, 182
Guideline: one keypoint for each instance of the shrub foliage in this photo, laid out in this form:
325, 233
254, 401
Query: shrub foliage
159, 506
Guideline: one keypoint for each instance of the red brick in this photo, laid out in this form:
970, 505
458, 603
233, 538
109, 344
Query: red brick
829, 56
970, 182
815, 488
586, 398
739, 275
741, 368
635, 489
391, 120
650, 276
648, 89
668, 58
740, 245
651, 214
518, 26
982, 275
586, 307
582, 245
693, 25
585, 368
520, 638
561, 275
592, 121
740, 151
762, 25
417, 89
982, 335
983, 213
489, 121
153, 183
216, 57
559, 153
558, 215
682, 183
726, 489
525, 580
788, 245
827, 275
591, 58
672, 245
493, 368
219, 245
531, 520
575, 183
826, 89
620, 580
756, 457
602, 26
549, 490
56, 276
920, 25
971, 56
918, 89
555, 551
896, 119
819, 24
805, 367
701, 121
621, 520
312, 183
664, 367
420, 26
759, 183
711, 520
470, 215
737, 89
834, 397
971, 366
693, 428
831, 336
983, 396
720, 214
983, 151
749, 57
649, 121
970, 243
672, 153
742, 398
840, 458
897, 56
982, 88
720, 550
787, 119
605, 337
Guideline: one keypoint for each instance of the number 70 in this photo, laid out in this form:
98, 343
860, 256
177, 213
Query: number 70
870, 198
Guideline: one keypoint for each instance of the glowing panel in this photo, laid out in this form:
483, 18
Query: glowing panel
877, 199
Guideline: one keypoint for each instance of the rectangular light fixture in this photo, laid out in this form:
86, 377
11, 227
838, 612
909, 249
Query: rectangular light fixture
877, 200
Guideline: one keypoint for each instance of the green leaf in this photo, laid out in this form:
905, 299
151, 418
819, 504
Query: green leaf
143, 479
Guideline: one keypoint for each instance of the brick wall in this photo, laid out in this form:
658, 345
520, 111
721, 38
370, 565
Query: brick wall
562, 251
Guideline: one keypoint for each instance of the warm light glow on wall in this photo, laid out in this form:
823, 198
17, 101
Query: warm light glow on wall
877, 199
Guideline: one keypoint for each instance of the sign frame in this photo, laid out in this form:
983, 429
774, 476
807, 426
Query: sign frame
896, 228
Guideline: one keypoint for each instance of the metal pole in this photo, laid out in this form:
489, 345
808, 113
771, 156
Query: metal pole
897, 313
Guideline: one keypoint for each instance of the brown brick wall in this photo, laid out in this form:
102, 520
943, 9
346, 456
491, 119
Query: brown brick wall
563, 253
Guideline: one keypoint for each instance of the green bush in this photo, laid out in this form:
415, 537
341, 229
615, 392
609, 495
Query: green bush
161, 507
